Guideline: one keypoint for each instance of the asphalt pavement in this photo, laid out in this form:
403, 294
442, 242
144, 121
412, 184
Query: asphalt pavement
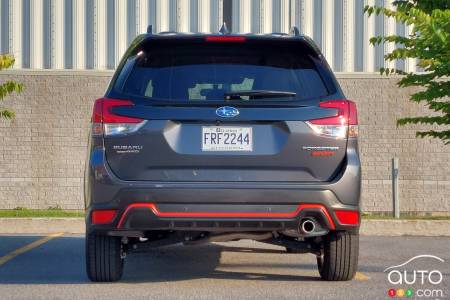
42, 267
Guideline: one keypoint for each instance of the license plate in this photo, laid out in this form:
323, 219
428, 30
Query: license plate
224, 138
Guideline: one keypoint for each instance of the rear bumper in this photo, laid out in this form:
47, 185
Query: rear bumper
142, 217
218, 206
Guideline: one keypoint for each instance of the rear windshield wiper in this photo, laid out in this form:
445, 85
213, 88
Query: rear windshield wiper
257, 94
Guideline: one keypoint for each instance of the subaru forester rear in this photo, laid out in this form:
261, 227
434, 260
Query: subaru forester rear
204, 138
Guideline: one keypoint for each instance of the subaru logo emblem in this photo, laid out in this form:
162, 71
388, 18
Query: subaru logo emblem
227, 112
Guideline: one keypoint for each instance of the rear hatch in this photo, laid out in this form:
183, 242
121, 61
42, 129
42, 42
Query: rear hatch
224, 108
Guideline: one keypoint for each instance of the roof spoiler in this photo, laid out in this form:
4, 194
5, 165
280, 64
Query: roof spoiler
224, 30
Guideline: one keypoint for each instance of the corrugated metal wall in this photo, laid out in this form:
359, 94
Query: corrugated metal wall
339, 27
93, 34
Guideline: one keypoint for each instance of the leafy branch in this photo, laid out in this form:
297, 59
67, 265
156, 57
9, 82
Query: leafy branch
8, 87
429, 43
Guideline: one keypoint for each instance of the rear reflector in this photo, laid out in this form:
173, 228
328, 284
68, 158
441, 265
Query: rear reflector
105, 121
347, 217
344, 124
232, 39
103, 216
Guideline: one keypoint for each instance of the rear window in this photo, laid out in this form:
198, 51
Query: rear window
202, 71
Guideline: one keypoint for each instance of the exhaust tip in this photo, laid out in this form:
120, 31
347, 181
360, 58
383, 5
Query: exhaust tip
307, 226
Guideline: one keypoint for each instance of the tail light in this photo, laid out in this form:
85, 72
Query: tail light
345, 124
105, 122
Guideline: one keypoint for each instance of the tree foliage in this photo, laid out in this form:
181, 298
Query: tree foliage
8, 87
429, 43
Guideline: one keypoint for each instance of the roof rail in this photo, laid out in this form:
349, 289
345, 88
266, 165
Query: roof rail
168, 32
150, 29
294, 31
278, 33
224, 29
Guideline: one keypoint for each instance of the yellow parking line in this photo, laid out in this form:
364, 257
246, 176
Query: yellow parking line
30, 246
361, 276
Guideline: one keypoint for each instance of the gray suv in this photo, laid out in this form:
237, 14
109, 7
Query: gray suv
220, 137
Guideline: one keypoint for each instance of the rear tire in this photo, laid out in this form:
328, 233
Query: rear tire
103, 258
339, 259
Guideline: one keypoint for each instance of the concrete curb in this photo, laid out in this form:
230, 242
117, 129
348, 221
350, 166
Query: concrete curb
368, 227
405, 227
41, 225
